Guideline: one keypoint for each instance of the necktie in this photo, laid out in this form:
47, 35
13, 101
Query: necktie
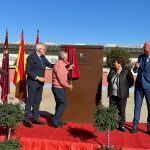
40, 57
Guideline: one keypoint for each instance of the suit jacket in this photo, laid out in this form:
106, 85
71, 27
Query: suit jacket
34, 68
143, 76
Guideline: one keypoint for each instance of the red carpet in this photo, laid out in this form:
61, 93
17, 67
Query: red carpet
75, 136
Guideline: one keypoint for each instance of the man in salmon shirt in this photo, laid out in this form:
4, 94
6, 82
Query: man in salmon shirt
59, 83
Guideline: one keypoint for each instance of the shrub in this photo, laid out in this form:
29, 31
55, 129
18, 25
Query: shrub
10, 145
110, 148
10, 115
106, 118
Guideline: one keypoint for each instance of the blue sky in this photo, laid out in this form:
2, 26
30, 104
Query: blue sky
77, 21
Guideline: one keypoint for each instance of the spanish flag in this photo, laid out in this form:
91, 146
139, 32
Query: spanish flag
20, 76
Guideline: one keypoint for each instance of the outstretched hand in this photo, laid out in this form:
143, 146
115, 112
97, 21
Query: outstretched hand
71, 67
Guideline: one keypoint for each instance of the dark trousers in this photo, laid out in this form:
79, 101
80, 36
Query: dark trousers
121, 106
34, 99
138, 100
60, 99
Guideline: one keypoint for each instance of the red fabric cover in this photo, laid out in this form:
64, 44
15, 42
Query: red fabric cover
75, 136
72, 59
40, 144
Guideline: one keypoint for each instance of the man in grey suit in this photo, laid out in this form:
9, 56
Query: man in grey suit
142, 87
35, 69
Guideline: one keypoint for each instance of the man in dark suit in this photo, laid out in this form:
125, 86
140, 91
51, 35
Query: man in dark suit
35, 69
142, 87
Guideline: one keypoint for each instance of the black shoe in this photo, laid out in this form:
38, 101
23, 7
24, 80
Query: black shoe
27, 124
148, 130
55, 125
62, 123
38, 122
134, 130
122, 129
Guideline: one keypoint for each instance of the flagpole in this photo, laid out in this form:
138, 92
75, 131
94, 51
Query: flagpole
72, 69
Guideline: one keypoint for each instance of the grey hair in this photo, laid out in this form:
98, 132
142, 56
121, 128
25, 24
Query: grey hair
62, 55
38, 46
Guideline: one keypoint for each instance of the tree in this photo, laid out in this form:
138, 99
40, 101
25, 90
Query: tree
117, 52
10, 118
106, 119
10, 115
10, 145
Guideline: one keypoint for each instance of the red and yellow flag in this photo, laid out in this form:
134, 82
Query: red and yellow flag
20, 76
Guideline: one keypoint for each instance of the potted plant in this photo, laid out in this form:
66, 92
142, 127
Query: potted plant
10, 118
10, 144
106, 119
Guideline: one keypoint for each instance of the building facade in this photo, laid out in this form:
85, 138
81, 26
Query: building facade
52, 50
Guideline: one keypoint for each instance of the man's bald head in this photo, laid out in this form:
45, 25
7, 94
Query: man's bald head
146, 48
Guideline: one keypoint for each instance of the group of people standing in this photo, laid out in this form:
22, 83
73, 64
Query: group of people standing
120, 79
35, 70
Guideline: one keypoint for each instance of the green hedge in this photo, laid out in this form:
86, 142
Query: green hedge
10, 115
110, 148
10, 145
106, 118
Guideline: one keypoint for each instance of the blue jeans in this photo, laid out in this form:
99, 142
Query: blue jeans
60, 99
139, 94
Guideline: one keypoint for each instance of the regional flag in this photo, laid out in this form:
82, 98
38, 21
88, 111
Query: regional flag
20, 76
37, 37
5, 83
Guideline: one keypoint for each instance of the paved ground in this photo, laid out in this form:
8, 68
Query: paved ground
48, 103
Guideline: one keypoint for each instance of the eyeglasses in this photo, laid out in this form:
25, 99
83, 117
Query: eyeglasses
43, 49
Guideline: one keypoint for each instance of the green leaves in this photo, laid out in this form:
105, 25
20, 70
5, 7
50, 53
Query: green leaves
110, 148
10, 145
10, 115
117, 52
106, 118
